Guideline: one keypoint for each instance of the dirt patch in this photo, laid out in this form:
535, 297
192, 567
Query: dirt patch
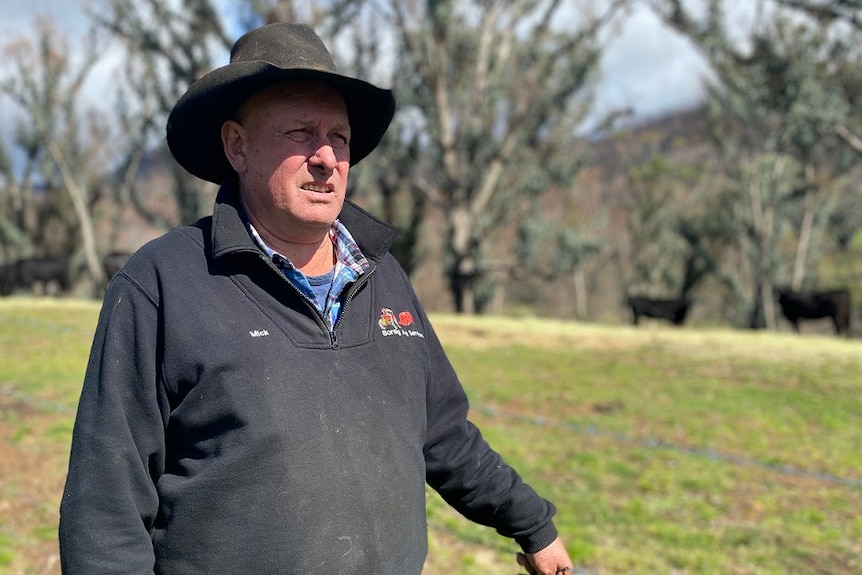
32, 473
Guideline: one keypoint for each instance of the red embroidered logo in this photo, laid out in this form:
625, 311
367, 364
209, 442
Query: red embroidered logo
392, 324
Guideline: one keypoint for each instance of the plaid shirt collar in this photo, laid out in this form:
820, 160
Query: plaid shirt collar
350, 264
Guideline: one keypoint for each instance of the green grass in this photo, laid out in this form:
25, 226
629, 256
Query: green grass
683, 451
44, 345
675, 450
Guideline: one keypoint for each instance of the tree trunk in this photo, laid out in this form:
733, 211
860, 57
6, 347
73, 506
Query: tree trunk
809, 204
580, 285
462, 272
77, 193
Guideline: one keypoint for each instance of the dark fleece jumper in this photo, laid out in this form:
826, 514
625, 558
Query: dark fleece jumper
222, 429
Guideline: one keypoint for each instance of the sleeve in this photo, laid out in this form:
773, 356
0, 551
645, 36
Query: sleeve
110, 501
468, 473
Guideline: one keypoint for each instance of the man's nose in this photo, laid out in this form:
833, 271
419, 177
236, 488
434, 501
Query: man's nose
324, 156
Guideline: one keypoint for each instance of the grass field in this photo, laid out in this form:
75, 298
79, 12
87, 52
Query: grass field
666, 451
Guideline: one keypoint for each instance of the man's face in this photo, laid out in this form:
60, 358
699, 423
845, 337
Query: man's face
294, 157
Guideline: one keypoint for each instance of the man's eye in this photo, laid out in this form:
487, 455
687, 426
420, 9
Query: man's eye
299, 135
340, 140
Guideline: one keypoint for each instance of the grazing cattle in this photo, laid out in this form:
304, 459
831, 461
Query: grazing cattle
114, 262
674, 310
8, 278
32, 272
834, 304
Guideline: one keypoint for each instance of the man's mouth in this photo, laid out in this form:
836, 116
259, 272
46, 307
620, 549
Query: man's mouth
317, 188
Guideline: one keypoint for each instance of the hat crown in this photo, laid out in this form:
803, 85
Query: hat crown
272, 53
286, 45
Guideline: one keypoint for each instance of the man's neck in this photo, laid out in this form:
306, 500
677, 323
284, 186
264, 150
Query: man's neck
311, 260
312, 256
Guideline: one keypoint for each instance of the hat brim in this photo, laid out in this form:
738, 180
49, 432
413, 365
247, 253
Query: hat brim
194, 125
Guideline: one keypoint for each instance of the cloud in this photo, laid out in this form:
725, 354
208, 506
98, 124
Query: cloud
650, 69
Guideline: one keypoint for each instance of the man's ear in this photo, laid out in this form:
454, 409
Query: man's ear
233, 138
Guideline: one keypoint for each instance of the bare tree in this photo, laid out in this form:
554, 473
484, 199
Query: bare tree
65, 144
841, 22
660, 195
827, 12
170, 44
18, 220
490, 96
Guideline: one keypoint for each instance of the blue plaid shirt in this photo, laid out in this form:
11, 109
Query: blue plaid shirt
349, 265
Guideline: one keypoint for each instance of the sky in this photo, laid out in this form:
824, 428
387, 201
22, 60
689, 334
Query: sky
646, 67
650, 69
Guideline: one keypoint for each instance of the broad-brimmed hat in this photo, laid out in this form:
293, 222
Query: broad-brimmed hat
261, 57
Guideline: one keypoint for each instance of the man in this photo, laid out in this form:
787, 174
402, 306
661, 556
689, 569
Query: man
265, 393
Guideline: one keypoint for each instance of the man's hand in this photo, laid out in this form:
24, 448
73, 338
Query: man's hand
552, 560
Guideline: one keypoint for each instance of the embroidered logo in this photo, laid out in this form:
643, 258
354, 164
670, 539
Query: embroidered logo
392, 324
258, 333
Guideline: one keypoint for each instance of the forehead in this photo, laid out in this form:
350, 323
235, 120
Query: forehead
302, 96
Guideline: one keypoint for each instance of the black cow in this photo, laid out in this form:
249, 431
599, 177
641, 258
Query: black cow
8, 278
674, 310
834, 304
46, 272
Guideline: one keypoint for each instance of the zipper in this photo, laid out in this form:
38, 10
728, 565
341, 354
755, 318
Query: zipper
333, 336
301, 295
363, 279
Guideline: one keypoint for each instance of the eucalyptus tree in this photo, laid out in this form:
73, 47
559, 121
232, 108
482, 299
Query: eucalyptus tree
671, 245
63, 151
774, 105
168, 44
18, 216
842, 21
491, 94
556, 248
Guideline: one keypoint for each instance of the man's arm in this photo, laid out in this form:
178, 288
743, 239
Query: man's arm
468, 473
110, 502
